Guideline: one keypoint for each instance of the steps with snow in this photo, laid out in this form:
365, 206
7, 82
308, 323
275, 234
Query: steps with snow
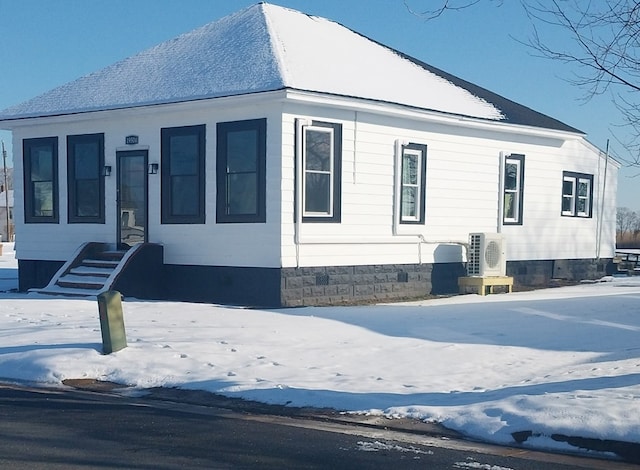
98, 267
88, 273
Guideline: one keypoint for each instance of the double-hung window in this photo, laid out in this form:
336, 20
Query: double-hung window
241, 171
41, 180
577, 194
513, 188
411, 167
320, 171
85, 160
183, 178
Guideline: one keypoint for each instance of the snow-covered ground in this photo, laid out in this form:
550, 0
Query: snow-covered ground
563, 360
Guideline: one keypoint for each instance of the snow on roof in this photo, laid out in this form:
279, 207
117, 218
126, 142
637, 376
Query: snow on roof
265, 48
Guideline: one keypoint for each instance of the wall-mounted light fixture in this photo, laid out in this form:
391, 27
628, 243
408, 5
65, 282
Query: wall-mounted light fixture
153, 169
106, 171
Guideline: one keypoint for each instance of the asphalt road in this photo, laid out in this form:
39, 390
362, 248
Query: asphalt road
76, 429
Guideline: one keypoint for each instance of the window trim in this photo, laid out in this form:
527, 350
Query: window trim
165, 174
335, 214
222, 131
422, 183
518, 220
575, 178
71, 188
27, 145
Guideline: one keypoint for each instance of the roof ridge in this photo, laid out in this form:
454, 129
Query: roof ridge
276, 45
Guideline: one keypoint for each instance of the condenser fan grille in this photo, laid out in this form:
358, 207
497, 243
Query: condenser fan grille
492, 254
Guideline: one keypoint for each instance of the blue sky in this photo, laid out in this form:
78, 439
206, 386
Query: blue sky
46, 44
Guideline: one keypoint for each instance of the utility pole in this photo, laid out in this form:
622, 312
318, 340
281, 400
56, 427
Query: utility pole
6, 191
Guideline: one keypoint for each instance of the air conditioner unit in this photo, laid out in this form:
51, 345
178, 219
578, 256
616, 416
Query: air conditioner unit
486, 255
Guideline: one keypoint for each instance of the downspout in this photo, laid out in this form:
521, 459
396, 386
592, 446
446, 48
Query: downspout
602, 200
355, 147
501, 166
300, 124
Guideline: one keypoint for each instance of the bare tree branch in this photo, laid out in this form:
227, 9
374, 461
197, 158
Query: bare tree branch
601, 44
598, 40
445, 5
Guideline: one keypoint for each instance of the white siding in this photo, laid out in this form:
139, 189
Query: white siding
462, 189
189, 244
545, 234
463, 194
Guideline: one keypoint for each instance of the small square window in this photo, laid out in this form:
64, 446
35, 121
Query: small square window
577, 194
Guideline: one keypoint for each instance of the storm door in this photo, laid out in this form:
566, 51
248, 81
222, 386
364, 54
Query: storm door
132, 197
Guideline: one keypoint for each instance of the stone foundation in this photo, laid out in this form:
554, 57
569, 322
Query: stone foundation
328, 285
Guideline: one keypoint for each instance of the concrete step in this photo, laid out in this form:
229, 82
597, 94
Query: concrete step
113, 255
81, 282
99, 263
95, 271
67, 291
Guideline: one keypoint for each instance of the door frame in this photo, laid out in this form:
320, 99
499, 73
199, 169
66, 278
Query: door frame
119, 156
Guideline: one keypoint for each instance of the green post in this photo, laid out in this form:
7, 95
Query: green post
111, 321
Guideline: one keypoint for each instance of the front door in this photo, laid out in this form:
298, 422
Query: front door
132, 197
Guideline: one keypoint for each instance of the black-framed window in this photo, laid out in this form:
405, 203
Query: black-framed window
40, 157
577, 194
183, 174
513, 190
85, 184
412, 167
321, 172
241, 171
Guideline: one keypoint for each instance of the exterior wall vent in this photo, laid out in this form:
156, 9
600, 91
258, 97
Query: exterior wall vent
322, 279
487, 255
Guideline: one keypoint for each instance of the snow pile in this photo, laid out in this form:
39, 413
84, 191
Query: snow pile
562, 360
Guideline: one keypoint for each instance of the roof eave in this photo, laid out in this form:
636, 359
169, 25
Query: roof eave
403, 110
326, 99
124, 107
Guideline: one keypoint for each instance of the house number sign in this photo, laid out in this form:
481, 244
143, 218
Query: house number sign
131, 140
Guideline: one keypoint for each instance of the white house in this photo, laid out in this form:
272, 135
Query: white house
275, 158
